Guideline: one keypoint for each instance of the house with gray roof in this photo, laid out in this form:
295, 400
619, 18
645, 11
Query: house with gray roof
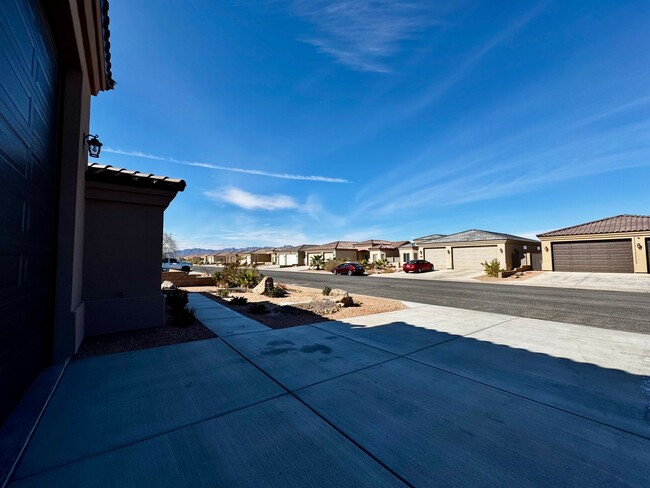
467, 250
619, 244
292, 256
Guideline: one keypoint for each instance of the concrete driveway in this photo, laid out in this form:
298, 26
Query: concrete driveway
591, 281
425, 396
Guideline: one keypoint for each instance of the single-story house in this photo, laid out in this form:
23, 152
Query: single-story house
467, 250
619, 244
363, 248
389, 251
332, 250
261, 256
220, 257
291, 256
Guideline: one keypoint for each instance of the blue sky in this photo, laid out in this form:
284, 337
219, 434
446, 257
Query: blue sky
311, 121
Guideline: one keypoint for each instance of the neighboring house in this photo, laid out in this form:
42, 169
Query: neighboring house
292, 256
467, 250
220, 257
408, 251
333, 250
123, 229
363, 248
261, 256
389, 251
55, 56
619, 244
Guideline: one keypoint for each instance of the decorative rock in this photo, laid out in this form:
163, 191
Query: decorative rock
347, 301
264, 285
167, 285
337, 292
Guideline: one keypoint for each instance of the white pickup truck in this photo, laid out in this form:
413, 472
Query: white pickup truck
173, 263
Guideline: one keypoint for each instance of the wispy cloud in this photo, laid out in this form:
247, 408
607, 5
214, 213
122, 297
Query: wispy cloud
363, 34
286, 176
250, 201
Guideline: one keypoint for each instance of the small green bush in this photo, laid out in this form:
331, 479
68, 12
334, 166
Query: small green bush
327, 290
183, 317
249, 278
276, 292
239, 301
223, 293
176, 299
492, 268
258, 309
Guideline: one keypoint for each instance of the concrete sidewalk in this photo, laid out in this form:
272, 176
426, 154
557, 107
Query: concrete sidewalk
424, 396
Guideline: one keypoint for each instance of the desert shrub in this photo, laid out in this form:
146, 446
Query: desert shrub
332, 263
327, 290
364, 262
239, 301
183, 317
258, 309
316, 262
217, 277
492, 268
224, 293
249, 277
380, 263
176, 299
277, 291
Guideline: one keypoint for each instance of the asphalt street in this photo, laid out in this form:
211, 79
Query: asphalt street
605, 309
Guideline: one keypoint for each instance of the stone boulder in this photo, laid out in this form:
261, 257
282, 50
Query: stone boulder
337, 292
167, 285
264, 285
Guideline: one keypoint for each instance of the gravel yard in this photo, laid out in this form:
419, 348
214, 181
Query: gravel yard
303, 306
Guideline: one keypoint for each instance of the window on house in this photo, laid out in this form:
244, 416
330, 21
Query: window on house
406, 256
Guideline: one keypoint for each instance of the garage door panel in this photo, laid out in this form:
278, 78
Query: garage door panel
609, 256
471, 258
28, 128
437, 256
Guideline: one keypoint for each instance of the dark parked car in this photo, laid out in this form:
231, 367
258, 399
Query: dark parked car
417, 266
349, 269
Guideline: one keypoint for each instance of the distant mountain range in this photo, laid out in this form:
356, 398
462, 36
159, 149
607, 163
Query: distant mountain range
199, 250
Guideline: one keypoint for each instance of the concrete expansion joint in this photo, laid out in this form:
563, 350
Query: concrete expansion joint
12, 470
144, 439
518, 395
317, 414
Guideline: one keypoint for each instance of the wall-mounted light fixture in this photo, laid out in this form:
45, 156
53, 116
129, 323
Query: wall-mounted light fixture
501, 250
94, 146
639, 246
546, 248
448, 251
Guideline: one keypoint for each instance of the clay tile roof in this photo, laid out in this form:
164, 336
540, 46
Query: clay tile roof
472, 235
105, 173
106, 38
430, 237
611, 225
390, 245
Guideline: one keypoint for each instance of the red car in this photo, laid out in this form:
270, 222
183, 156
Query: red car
417, 266
349, 269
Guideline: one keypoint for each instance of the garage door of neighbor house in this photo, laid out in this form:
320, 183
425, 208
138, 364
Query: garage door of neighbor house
28, 115
292, 259
613, 256
438, 257
472, 257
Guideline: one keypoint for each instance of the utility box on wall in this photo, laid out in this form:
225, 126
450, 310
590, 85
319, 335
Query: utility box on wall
122, 248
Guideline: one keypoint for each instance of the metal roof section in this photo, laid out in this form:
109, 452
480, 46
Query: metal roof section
105, 173
610, 225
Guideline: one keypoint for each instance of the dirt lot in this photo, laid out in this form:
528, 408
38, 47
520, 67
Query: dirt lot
303, 306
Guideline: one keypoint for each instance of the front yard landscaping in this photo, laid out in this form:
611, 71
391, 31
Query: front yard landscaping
299, 306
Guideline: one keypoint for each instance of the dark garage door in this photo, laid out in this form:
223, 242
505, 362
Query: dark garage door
594, 256
28, 114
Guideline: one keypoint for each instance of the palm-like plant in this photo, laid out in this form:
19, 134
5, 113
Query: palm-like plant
316, 261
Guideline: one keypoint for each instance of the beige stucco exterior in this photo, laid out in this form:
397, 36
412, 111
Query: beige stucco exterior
509, 252
638, 241
123, 236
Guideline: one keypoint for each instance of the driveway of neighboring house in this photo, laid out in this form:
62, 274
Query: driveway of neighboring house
591, 281
425, 396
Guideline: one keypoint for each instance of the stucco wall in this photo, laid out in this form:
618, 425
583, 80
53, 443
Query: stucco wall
347, 254
121, 273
